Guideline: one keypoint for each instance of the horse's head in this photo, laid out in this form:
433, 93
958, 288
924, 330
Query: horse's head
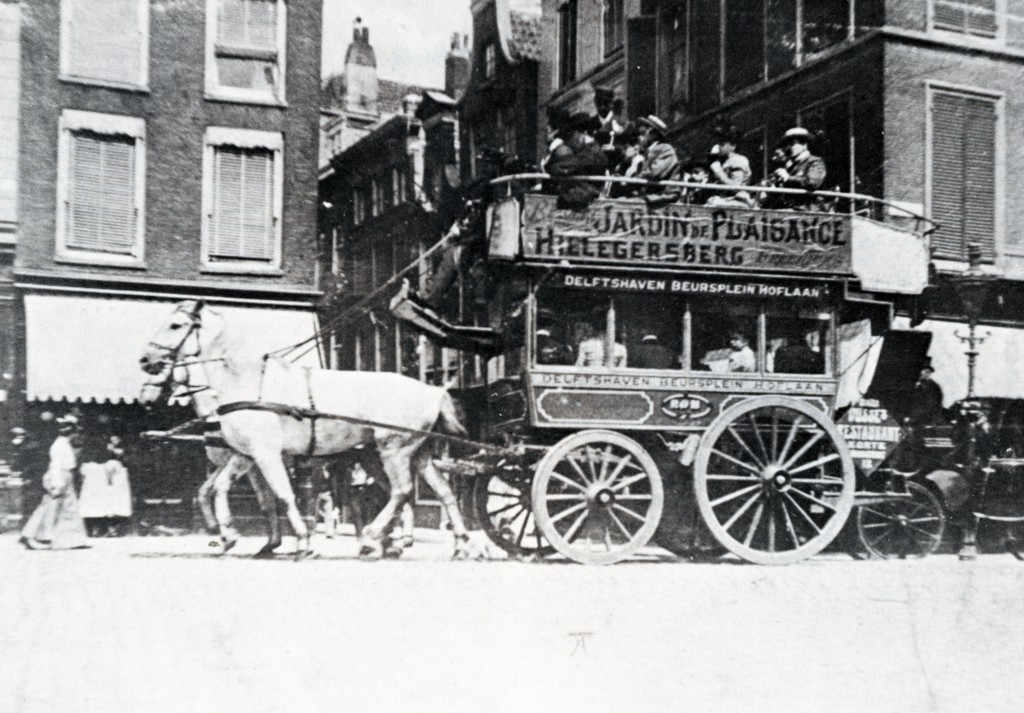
175, 340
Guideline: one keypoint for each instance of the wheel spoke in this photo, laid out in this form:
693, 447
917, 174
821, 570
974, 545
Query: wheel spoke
627, 482
754, 524
522, 531
495, 494
618, 522
492, 513
605, 459
919, 520
775, 432
739, 513
878, 513
722, 476
635, 496
771, 528
735, 494
813, 499
568, 511
820, 461
589, 450
565, 496
737, 461
629, 512
803, 449
744, 445
873, 525
794, 429
803, 514
570, 458
570, 534
928, 533
878, 539
818, 481
757, 435
570, 483
789, 525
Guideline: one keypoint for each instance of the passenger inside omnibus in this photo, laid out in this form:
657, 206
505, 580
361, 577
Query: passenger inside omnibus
644, 331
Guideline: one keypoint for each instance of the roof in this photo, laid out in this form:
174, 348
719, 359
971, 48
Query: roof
525, 42
389, 94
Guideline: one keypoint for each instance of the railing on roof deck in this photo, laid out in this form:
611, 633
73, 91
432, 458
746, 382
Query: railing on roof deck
856, 204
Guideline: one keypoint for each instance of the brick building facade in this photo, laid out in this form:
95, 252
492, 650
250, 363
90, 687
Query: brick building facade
167, 151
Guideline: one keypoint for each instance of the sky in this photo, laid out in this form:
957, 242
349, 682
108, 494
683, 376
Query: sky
410, 37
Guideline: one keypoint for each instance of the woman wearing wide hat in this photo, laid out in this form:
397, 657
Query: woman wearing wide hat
56, 524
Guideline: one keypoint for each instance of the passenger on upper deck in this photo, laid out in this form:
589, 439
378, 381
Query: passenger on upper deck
729, 168
629, 162
802, 170
696, 171
583, 158
608, 109
660, 160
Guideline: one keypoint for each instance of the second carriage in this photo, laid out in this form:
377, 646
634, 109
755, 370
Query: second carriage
666, 373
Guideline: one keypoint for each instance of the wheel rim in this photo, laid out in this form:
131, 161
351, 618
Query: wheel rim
904, 528
504, 510
774, 480
597, 497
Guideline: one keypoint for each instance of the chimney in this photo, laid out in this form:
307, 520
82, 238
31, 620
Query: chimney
366, 35
361, 84
357, 29
456, 67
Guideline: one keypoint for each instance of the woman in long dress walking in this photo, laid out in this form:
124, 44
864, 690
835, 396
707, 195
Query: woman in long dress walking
56, 524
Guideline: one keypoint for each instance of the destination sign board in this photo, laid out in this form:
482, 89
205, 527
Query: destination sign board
693, 286
630, 231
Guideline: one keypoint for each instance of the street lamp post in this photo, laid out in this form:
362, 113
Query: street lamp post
972, 287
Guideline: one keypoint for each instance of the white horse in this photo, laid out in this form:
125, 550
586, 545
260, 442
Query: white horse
268, 409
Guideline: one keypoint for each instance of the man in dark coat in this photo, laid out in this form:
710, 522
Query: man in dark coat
582, 157
926, 402
802, 170
650, 354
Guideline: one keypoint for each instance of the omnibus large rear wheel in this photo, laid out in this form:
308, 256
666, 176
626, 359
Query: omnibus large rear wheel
774, 480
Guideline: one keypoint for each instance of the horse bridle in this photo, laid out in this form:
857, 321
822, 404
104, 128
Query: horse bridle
174, 353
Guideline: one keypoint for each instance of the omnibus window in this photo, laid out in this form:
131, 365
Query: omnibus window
724, 341
599, 330
798, 343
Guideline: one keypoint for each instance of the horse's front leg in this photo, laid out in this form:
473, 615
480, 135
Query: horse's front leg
220, 485
205, 498
268, 506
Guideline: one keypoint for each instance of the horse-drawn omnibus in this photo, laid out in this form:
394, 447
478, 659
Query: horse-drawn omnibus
666, 370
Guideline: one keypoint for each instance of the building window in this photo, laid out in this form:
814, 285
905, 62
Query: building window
398, 188
831, 122
101, 169
245, 50
676, 23
379, 201
970, 17
490, 61
105, 41
744, 44
962, 180
567, 43
243, 179
613, 24
358, 206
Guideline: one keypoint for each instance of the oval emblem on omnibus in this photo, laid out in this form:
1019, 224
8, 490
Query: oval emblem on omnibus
685, 407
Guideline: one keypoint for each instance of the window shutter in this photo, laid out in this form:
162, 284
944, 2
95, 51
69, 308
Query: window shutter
243, 221
105, 40
981, 19
101, 197
963, 173
973, 17
248, 23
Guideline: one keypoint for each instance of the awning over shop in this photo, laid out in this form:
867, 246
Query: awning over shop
83, 348
998, 371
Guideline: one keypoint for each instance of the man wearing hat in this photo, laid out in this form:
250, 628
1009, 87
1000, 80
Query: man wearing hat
926, 401
651, 354
660, 160
583, 158
802, 170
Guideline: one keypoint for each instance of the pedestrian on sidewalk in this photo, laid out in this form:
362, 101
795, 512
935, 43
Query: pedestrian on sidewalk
56, 524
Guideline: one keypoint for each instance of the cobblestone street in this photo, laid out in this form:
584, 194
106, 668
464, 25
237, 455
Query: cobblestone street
157, 625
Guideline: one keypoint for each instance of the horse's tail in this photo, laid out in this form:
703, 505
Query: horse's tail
448, 420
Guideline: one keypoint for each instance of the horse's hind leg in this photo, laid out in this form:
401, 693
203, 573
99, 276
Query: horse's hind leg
276, 477
221, 485
425, 466
396, 466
